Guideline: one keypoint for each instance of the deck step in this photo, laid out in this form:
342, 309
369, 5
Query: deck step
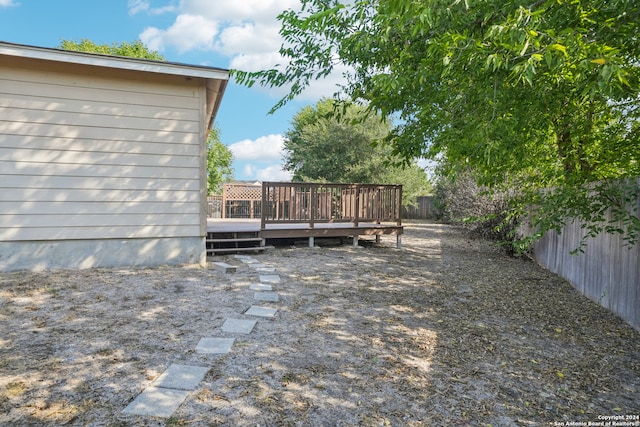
230, 242
224, 267
227, 250
243, 239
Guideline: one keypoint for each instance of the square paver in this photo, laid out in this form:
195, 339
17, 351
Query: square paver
224, 267
181, 377
249, 261
256, 265
266, 296
260, 287
215, 345
264, 269
259, 311
239, 326
157, 402
270, 278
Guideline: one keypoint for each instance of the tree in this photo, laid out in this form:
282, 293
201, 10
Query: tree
219, 158
219, 161
532, 94
322, 145
135, 49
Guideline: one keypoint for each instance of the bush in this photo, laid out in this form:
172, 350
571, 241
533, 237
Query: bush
484, 212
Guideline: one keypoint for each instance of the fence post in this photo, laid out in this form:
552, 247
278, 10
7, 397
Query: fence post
224, 201
263, 209
399, 208
312, 205
356, 214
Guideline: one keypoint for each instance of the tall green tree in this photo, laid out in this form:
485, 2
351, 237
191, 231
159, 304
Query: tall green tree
536, 94
219, 163
326, 145
219, 157
135, 49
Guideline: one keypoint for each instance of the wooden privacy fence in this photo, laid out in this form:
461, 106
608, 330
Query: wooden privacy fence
423, 209
291, 202
608, 271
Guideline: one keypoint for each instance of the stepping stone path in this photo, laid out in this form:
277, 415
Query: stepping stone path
173, 386
238, 326
259, 311
266, 296
270, 278
260, 287
215, 345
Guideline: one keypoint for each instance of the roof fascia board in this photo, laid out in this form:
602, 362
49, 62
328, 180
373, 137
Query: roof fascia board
97, 60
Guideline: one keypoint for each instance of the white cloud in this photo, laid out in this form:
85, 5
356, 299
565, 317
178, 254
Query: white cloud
8, 3
245, 31
137, 6
189, 32
249, 170
249, 37
260, 159
239, 11
272, 173
223, 26
265, 149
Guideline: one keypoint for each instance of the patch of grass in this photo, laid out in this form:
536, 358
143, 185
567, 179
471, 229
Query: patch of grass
105, 351
175, 422
16, 388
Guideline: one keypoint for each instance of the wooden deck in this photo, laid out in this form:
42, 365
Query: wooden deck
303, 230
290, 210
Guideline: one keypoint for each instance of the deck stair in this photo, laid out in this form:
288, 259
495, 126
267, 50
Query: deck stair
234, 242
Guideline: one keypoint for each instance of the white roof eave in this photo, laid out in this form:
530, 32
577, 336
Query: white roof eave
123, 63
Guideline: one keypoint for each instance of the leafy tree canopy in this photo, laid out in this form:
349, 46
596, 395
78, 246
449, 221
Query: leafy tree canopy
219, 161
322, 145
135, 49
532, 94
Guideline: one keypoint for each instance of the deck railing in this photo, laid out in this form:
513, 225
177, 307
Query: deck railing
295, 202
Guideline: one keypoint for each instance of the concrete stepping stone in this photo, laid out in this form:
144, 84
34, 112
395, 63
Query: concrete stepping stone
256, 310
239, 326
265, 269
266, 296
242, 256
249, 261
224, 267
257, 265
260, 287
181, 377
270, 278
157, 402
215, 345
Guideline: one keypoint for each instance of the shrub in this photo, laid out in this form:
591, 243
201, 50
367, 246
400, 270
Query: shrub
484, 212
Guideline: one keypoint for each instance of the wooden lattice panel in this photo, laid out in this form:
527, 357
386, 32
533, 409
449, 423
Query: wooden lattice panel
242, 192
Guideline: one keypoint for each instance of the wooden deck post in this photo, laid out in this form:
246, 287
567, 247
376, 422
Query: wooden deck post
224, 201
312, 205
356, 214
399, 207
263, 210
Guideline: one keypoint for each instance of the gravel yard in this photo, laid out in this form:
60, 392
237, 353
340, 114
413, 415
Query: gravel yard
447, 331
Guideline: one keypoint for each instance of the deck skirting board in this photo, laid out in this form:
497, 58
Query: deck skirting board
285, 233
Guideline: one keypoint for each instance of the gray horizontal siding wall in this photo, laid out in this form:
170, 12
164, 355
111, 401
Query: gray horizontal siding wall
91, 154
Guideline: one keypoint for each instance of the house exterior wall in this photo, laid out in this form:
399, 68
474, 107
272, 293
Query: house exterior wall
99, 167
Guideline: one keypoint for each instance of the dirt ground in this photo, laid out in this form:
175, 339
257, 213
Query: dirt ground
445, 332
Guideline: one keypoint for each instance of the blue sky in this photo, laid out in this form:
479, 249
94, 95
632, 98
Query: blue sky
240, 34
